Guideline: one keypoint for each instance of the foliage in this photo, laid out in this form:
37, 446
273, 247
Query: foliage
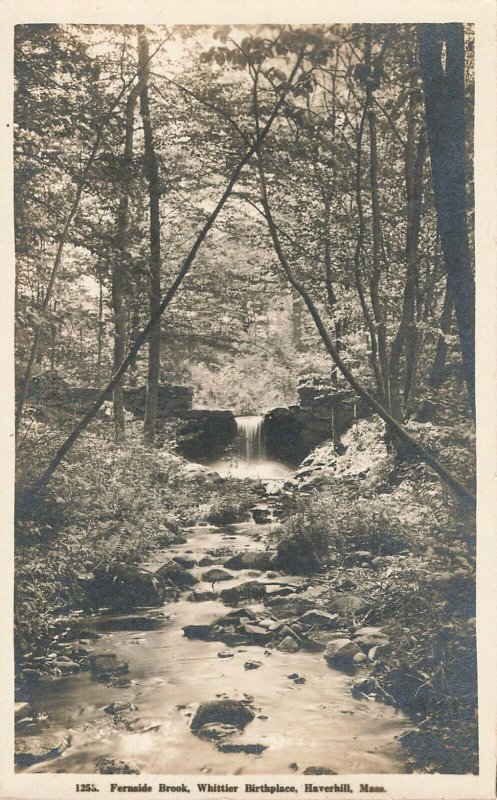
421, 590
107, 505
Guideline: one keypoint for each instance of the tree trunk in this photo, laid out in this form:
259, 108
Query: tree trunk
25, 502
296, 322
374, 282
395, 428
444, 103
119, 273
406, 337
81, 186
100, 331
152, 171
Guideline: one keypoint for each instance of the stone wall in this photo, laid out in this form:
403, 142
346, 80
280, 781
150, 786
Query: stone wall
49, 389
292, 432
202, 433
206, 433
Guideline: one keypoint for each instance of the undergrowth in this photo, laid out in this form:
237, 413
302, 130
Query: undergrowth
106, 504
420, 587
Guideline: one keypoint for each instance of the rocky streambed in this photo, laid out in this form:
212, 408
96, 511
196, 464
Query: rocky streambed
245, 668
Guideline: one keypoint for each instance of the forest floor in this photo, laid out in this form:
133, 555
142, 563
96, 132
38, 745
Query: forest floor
356, 574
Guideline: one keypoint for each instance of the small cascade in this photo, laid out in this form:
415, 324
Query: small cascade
249, 458
251, 438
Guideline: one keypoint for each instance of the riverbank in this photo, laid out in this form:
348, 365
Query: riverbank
354, 557
176, 667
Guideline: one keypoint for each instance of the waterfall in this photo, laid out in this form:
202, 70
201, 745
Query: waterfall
251, 438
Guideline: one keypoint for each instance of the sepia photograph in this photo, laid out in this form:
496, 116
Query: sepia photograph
245, 521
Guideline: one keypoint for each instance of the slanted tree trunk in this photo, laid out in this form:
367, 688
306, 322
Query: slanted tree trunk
152, 172
444, 103
28, 499
59, 252
396, 429
119, 273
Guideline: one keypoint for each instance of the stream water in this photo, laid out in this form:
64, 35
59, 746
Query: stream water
314, 724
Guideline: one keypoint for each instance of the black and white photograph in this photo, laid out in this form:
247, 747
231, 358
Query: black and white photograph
244, 410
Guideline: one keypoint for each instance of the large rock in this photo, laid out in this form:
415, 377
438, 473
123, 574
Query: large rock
296, 556
216, 575
319, 619
288, 645
123, 587
187, 562
250, 590
176, 575
227, 712
106, 666
33, 750
202, 595
262, 560
341, 652
239, 627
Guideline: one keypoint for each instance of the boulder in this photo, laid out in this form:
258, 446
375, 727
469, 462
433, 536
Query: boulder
279, 590
106, 666
255, 634
21, 711
262, 515
319, 619
34, 750
347, 603
291, 606
216, 575
318, 640
252, 665
367, 642
341, 652
187, 562
288, 645
130, 622
119, 708
369, 630
124, 586
214, 731
296, 556
262, 560
250, 590
206, 561
202, 632
236, 615
227, 712
176, 574
201, 595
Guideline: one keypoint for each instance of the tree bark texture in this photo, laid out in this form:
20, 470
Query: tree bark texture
119, 273
152, 172
26, 502
395, 428
444, 102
